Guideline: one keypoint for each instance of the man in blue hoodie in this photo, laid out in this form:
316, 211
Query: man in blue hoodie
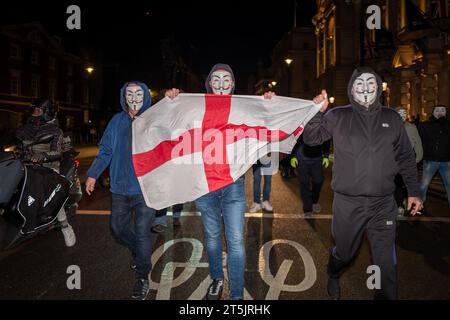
115, 152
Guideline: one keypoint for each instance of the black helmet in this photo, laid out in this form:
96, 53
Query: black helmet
49, 108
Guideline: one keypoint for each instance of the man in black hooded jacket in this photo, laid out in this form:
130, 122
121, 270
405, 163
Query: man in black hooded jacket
370, 147
435, 135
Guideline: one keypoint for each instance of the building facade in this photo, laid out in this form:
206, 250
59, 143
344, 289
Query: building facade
410, 51
35, 65
293, 69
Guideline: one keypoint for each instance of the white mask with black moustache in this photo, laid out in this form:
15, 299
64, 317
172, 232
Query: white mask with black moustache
134, 96
402, 113
221, 82
365, 89
439, 112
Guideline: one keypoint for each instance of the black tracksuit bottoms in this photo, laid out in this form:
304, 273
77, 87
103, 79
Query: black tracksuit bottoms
354, 215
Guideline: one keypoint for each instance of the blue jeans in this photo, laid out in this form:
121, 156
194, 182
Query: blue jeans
230, 201
429, 170
161, 215
136, 236
257, 184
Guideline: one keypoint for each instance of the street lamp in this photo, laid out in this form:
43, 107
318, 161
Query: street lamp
288, 62
89, 70
331, 100
274, 83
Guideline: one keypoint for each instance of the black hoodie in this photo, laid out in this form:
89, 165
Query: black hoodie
435, 135
370, 146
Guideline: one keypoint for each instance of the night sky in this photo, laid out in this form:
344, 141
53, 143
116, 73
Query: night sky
239, 33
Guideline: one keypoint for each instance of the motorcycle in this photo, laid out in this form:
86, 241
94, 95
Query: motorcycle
31, 195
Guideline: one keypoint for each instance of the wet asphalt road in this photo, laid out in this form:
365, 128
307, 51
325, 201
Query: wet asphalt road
286, 255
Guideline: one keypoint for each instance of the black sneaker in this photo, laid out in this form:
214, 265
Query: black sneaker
141, 289
158, 228
333, 288
215, 290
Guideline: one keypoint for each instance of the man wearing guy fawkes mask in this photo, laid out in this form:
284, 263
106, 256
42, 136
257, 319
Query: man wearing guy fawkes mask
370, 147
115, 151
435, 135
229, 202
416, 143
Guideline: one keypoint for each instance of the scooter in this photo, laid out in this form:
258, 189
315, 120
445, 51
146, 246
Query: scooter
69, 169
32, 195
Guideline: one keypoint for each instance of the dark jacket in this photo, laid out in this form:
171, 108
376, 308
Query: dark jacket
306, 152
116, 149
36, 128
435, 135
370, 146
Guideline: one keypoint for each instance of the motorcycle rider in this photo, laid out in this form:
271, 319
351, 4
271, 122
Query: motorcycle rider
43, 122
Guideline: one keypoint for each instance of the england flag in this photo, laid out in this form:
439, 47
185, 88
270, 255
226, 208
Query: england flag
198, 143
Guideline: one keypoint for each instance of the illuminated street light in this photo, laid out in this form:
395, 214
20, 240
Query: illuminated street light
274, 83
385, 85
288, 61
331, 100
90, 70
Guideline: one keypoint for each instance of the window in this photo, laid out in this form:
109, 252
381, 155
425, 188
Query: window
14, 51
35, 58
305, 85
52, 63
85, 94
385, 14
52, 89
35, 86
15, 81
33, 36
69, 69
331, 42
69, 93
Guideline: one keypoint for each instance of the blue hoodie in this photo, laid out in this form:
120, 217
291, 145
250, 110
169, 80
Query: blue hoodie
116, 149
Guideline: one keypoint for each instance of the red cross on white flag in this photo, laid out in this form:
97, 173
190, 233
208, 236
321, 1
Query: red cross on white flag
198, 143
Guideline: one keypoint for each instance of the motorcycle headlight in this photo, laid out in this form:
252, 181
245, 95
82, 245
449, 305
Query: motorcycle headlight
10, 149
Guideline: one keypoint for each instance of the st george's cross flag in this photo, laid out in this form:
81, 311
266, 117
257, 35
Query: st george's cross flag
198, 143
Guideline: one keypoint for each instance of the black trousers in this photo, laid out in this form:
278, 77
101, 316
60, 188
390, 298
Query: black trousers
401, 193
352, 217
310, 177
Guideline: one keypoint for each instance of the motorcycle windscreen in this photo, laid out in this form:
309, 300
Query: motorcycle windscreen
11, 173
44, 194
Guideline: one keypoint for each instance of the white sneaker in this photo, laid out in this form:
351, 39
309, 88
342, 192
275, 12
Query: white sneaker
308, 214
256, 207
316, 207
266, 206
69, 236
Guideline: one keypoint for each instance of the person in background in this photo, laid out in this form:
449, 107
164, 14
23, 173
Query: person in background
435, 135
309, 162
43, 121
160, 223
401, 193
262, 168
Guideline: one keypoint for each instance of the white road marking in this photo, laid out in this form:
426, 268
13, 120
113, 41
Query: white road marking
279, 216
